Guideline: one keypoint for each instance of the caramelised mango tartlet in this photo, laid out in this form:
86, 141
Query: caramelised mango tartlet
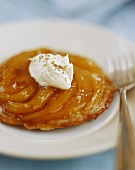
44, 89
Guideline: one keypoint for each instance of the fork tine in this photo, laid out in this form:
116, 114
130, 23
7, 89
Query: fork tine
113, 67
110, 67
133, 60
118, 72
124, 69
131, 70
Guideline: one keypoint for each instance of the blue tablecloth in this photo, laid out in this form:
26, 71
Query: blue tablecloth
117, 15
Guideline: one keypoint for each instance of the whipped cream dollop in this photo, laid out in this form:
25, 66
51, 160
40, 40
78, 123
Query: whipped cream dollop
52, 70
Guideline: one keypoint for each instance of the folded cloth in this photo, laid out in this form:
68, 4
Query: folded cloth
117, 15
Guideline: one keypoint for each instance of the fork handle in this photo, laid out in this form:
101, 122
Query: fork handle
125, 150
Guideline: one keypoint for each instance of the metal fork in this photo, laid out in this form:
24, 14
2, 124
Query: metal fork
122, 72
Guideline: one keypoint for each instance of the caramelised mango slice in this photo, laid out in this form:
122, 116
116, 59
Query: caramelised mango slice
21, 96
36, 103
60, 98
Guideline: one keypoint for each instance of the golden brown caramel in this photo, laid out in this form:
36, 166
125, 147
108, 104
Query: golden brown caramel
24, 102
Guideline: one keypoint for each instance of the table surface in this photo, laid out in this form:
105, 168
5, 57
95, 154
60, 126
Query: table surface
117, 15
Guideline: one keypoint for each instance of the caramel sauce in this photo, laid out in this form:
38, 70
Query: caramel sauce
24, 102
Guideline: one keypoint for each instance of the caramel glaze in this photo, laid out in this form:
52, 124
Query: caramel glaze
24, 102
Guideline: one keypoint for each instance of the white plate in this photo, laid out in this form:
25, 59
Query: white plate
91, 137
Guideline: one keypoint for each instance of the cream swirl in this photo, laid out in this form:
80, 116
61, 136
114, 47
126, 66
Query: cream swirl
52, 70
